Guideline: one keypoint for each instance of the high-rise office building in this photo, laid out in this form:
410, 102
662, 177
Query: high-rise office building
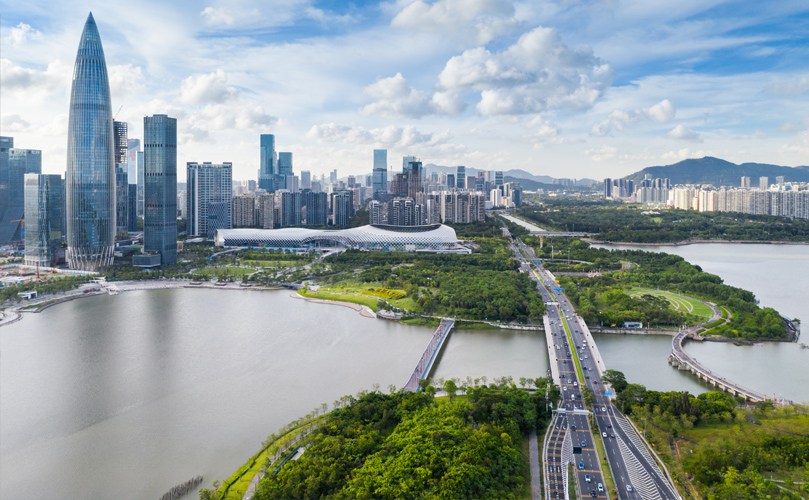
267, 163
451, 181
132, 207
460, 177
342, 207
284, 170
121, 155
745, 182
90, 179
160, 189
380, 172
306, 179
244, 210
121, 201
317, 208
291, 205
333, 176
120, 141
14, 164
414, 178
6, 143
763, 183
44, 217
265, 210
209, 197
498, 178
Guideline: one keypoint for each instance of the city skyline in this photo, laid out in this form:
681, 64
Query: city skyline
593, 91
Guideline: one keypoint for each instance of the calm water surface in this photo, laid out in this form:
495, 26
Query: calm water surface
126, 396
779, 277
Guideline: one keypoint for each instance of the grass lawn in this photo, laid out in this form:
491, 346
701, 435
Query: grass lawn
230, 270
680, 303
355, 299
609, 483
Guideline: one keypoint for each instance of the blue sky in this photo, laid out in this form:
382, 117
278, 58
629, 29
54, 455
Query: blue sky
567, 88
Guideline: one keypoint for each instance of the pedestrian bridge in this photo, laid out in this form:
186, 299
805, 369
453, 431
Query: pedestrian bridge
682, 361
426, 362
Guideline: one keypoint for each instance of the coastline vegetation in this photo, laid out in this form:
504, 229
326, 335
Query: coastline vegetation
607, 299
719, 450
634, 223
408, 445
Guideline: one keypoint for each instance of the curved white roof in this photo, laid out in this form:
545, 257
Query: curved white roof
366, 237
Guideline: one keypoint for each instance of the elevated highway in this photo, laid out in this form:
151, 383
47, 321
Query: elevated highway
635, 473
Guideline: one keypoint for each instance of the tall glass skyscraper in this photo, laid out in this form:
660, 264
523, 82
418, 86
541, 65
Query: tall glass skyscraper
284, 169
267, 166
160, 189
44, 199
90, 179
380, 171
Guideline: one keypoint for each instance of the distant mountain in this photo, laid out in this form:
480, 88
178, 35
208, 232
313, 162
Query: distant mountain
710, 170
514, 174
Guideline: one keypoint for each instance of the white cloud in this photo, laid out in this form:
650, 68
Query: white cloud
13, 123
793, 88
14, 77
21, 34
394, 96
799, 145
207, 88
536, 73
124, 80
231, 116
391, 136
618, 119
217, 17
611, 153
483, 20
684, 154
683, 133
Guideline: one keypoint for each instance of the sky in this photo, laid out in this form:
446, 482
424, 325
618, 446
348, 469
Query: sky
566, 88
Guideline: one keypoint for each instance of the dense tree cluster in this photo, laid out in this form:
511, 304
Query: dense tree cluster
602, 299
405, 446
612, 221
480, 286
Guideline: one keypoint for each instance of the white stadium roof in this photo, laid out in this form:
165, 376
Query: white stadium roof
433, 237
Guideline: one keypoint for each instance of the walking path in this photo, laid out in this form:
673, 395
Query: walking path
536, 484
682, 359
426, 361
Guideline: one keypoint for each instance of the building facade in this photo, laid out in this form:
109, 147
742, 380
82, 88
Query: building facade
160, 189
209, 196
90, 178
380, 172
44, 218
14, 164
267, 169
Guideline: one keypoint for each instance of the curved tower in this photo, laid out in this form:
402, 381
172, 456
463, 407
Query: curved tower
90, 179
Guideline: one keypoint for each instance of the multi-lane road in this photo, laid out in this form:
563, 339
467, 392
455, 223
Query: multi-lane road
634, 471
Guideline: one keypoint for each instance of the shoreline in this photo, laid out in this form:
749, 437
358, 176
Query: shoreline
692, 242
14, 314
363, 310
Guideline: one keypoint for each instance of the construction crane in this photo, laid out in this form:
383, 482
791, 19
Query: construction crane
116, 113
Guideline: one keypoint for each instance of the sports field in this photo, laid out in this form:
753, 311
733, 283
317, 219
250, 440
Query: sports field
680, 303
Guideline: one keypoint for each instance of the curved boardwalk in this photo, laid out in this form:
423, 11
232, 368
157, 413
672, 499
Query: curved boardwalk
682, 361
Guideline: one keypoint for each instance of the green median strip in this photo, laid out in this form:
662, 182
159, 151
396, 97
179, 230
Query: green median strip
609, 483
572, 348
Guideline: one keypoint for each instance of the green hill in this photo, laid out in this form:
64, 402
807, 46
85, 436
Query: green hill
710, 170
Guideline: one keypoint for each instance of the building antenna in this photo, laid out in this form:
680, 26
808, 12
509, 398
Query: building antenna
116, 113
